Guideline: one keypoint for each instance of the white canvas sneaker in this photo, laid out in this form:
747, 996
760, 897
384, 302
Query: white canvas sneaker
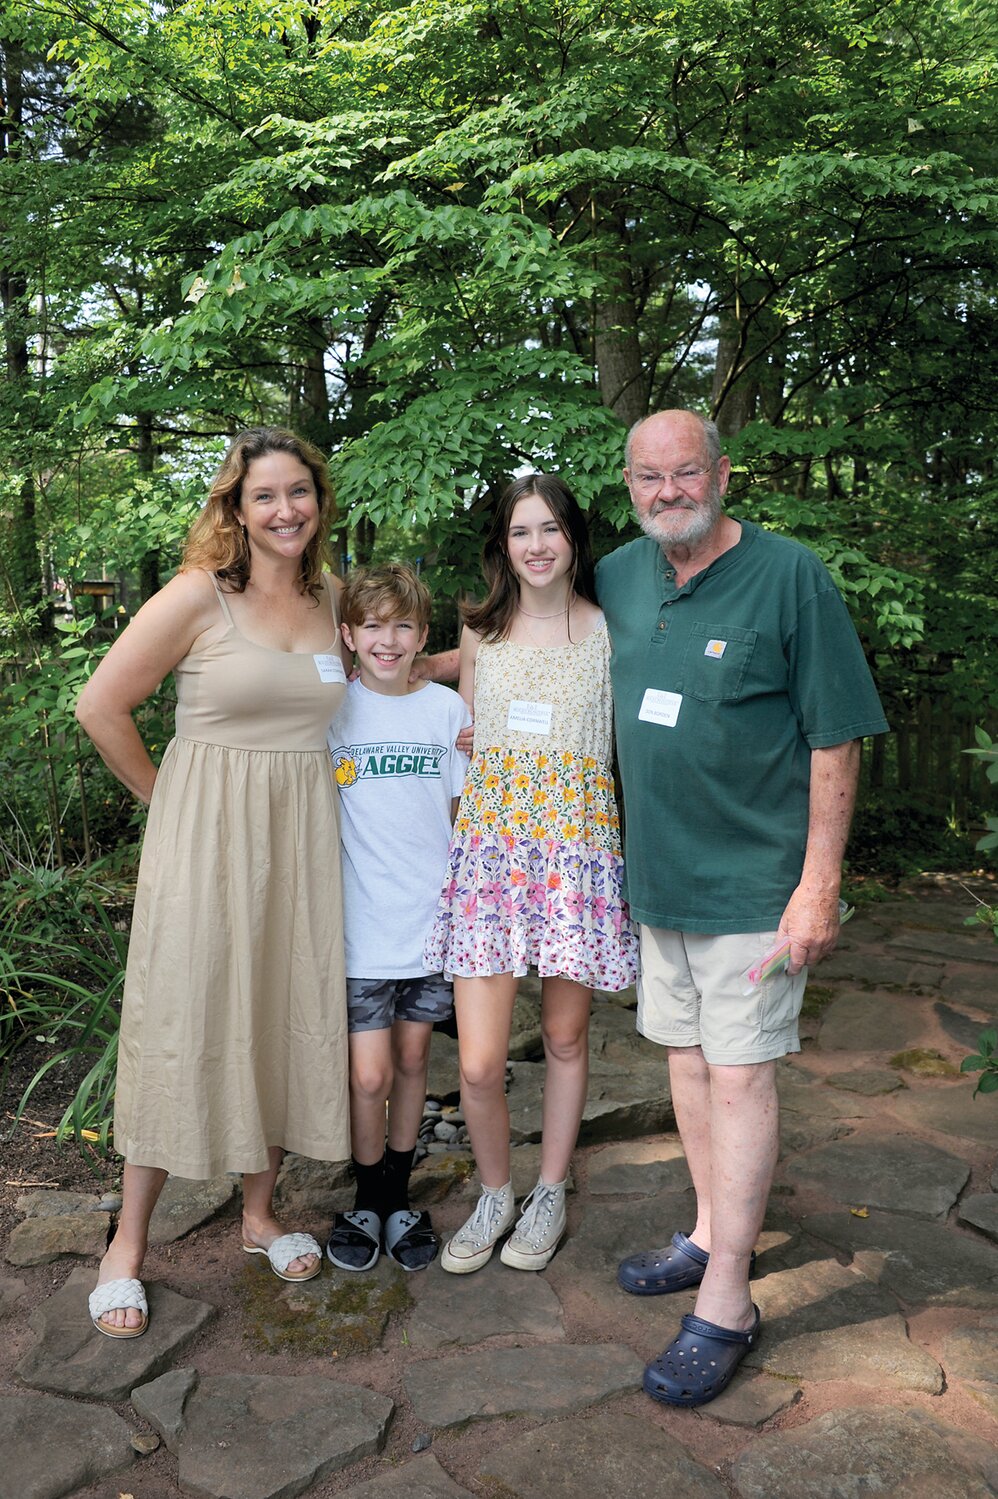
472, 1245
537, 1235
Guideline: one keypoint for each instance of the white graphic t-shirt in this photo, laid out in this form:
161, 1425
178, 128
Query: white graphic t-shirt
397, 771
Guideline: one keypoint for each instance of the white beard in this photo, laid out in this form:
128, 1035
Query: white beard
701, 519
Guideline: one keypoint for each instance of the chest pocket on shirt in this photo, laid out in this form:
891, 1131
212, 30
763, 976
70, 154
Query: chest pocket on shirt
716, 660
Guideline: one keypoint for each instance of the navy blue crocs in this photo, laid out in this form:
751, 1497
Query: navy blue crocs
699, 1363
659, 1271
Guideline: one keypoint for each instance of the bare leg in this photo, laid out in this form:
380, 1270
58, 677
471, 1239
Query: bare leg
259, 1224
689, 1081
127, 1250
565, 1009
411, 1055
484, 1008
371, 1082
744, 1143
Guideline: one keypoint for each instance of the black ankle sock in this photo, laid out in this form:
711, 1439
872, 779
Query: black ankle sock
398, 1165
370, 1186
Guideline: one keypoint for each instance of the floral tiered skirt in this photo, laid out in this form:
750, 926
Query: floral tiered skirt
534, 874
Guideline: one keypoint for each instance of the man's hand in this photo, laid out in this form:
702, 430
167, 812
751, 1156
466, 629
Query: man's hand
811, 921
443, 667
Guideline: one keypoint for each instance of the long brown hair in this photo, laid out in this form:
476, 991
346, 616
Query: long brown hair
493, 616
217, 541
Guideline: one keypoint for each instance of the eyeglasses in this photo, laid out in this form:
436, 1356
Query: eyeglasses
683, 478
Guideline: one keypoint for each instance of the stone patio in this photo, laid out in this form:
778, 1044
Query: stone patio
877, 1279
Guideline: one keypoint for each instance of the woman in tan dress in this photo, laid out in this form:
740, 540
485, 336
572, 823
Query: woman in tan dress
233, 1041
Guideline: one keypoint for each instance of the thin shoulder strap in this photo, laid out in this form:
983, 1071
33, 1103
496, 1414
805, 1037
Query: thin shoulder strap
221, 599
327, 578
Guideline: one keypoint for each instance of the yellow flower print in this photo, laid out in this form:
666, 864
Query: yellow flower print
570, 830
521, 782
491, 782
509, 762
489, 817
542, 761
507, 798
520, 818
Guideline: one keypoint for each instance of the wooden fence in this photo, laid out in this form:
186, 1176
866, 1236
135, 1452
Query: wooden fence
924, 756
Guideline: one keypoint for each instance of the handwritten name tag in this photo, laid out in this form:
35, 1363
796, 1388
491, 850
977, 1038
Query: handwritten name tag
329, 666
660, 707
530, 718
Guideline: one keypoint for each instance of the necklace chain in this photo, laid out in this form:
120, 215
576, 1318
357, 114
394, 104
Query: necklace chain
543, 616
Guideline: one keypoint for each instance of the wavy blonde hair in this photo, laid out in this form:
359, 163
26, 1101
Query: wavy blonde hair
217, 541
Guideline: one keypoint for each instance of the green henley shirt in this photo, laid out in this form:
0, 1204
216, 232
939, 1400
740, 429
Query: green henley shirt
721, 689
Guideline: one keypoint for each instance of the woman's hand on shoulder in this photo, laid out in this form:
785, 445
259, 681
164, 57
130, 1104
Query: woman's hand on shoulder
465, 741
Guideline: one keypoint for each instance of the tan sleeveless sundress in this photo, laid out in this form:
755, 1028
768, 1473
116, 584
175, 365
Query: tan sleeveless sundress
233, 1032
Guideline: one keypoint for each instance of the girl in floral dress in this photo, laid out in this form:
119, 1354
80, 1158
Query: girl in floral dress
535, 866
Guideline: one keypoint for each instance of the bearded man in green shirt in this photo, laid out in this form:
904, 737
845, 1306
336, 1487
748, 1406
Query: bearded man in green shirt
741, 694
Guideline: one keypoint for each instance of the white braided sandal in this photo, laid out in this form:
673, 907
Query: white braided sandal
118, 1295
287, 1248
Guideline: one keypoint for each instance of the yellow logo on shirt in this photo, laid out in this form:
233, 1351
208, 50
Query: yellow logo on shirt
715, 648
346, 771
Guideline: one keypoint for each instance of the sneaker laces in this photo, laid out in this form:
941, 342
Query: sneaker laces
536, 1214
481, 1227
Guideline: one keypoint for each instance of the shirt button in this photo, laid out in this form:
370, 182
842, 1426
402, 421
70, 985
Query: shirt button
661, 624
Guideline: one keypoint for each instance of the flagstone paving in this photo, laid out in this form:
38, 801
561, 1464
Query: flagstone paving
877, 1280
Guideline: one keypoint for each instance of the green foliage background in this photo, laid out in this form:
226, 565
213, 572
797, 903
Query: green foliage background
451, 238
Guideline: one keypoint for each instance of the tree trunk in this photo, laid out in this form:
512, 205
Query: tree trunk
733, 395
314, 417
624, 383
149, 578
22, 570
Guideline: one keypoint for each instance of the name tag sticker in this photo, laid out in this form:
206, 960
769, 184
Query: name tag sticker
660, 707
530, 718
715, 648
329, 666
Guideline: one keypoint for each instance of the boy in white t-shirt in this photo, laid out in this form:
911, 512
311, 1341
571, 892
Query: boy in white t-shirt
400, 776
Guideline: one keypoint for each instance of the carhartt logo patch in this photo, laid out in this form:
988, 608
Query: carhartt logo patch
715, 648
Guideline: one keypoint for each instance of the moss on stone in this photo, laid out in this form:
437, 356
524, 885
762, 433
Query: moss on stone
816, 997
332, 1315
924, 1063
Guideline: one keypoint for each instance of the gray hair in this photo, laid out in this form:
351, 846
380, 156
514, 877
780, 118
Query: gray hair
711, 436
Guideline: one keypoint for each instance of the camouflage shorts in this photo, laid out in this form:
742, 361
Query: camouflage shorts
373, 1004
